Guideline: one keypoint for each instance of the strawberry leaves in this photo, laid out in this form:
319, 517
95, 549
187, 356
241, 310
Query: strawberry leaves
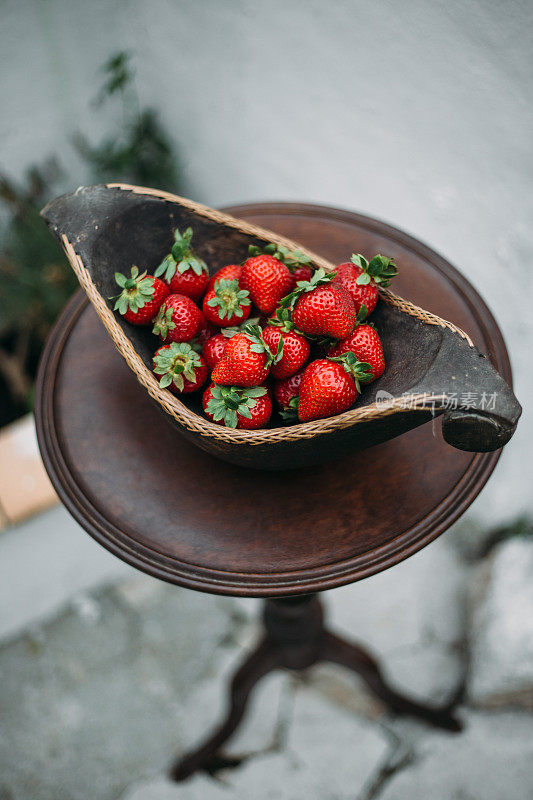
291, 258
174, 362
282, 319
181, 258
255, 335
235, 329
319, 278
136, 291
163, 323
379, 269
228, 401
229, 298
290, 412
360, 371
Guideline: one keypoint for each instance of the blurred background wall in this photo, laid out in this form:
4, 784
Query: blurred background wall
418, 113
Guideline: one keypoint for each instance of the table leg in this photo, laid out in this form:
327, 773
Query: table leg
296, 639
262, 661
349, 655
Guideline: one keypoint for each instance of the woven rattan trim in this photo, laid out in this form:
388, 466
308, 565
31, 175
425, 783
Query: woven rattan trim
263, 233
191, 421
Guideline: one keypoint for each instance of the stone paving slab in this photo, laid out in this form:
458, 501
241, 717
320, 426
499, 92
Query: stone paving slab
491, 760
44, 563
198, 787
501, 644
94, 700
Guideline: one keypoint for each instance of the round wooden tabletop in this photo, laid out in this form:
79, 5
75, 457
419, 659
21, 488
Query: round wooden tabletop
168, 508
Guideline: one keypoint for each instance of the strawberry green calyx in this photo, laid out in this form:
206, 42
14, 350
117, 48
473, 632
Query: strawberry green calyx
319, 278
255, 335
175, 362
360, 371
229, 332
228, 401
181, 258
380, 269
163, 323
291, 258
291, 410
229, 298
283, 320
136, 291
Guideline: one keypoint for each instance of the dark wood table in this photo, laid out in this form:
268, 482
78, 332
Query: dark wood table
177, 513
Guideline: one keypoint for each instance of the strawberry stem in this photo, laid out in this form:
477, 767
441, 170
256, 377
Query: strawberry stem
180, 258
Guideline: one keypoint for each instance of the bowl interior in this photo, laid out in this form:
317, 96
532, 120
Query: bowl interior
142, 234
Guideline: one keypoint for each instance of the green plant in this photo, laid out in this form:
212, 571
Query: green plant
140, 152
35, 279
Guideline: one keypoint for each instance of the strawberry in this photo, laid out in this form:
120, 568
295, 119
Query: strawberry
182, 370
226, 304
321, 307
298, 263
141, 296
267, 280
213, 350
182, 269
302, 272
178, 320
246, 360
295, 345
330, 386
365, 343
361, 279
231, 272
286, 393
236, 407
206, 333
214, 347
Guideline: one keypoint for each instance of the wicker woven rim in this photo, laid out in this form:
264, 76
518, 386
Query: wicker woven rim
204, 427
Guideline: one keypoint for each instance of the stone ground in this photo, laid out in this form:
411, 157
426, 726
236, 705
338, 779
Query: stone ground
106, 675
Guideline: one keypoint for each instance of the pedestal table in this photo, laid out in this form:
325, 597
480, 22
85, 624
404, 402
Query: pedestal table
169, 509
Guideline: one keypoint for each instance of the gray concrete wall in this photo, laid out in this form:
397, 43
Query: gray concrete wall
415, 112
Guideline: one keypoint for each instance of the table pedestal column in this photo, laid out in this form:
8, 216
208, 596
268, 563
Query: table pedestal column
295, 638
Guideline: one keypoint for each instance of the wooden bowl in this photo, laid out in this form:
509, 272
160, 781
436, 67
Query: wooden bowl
430, 362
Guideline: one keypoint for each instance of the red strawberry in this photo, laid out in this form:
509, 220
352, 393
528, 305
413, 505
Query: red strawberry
286, 393
321, 307
226, 304
295, 345
361, 279
236, 407
214, 347
189, 283
182, 269
206, 333
301, 273
267, 280
213, 350
231, 272
330, 386
182, 370
298, 263
141, 296
365, 343
178, 320
246, 360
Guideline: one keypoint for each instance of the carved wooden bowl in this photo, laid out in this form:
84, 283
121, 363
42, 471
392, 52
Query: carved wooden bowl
430, 362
